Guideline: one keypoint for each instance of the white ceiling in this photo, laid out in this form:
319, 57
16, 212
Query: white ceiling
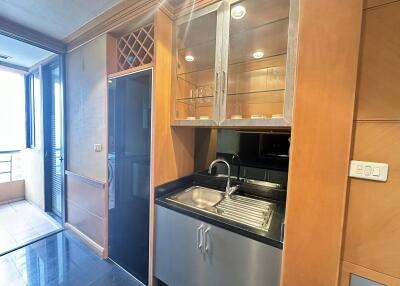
21, 54
55, 18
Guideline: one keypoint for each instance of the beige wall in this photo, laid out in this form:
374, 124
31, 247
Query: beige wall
86, 125
86, 101
34, 176
11, 191
34, 159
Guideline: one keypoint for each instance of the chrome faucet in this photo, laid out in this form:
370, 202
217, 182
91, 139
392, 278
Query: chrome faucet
236, 157
229, 190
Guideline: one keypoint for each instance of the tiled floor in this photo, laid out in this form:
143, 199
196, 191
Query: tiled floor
21, 223
60, 259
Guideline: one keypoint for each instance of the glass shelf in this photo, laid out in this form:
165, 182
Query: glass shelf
206, 73
256, 104
194, 98
194, 108
270, 92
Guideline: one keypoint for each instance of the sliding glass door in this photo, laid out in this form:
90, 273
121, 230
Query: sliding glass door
53, 137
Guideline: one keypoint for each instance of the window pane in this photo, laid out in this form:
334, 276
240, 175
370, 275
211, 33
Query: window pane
12, 110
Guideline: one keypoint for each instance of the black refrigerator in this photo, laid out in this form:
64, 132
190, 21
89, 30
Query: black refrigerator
129, 137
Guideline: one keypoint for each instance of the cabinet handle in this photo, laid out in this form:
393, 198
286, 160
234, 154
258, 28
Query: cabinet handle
200, 237
217, 85
223, 81
223, 87
207, 239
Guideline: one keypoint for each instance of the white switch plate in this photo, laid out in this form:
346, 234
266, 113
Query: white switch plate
369, 170
98, 147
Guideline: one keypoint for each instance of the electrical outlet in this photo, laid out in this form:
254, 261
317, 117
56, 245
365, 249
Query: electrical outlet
98, 147
369, 170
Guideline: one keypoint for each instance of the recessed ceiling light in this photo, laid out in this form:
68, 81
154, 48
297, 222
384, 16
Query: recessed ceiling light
238, 12
189, 58
4, 57
258, 55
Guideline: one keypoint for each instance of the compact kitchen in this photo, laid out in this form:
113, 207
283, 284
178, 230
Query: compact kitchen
211, 143
233, 214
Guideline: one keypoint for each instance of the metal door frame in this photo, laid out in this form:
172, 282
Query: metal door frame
47, 109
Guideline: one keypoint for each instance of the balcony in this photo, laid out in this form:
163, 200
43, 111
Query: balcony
12, 184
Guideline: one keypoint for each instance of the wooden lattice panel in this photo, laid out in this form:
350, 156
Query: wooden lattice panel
136, 48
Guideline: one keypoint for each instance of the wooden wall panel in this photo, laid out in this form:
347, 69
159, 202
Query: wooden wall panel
379, 72
172, 148
375, 3
327, 56
349, 268
373, 217
112, 55
372, 233
205, 147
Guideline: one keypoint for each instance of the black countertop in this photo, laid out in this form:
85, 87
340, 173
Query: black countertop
273, 236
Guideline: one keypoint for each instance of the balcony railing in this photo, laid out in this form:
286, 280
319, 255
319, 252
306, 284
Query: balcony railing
10, 166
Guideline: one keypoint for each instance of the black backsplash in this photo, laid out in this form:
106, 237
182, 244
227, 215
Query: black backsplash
264, 150
262, 155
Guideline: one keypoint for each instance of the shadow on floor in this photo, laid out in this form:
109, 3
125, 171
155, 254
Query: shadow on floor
60, 259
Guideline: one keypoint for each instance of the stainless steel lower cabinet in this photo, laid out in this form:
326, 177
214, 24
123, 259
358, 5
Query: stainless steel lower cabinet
189, 252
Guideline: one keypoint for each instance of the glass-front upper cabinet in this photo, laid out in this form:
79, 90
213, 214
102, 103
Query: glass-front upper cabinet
256, 63
235, 64
198, 52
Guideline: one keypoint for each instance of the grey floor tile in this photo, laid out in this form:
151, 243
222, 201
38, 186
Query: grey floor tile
60, 259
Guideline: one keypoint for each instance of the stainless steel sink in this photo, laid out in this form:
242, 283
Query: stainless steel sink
244, 210
199, 197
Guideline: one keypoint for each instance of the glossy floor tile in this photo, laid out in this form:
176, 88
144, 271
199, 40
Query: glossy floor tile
21, 223
60, 259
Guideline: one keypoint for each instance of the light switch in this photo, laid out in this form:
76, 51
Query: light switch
98, 147
369, 170
376, 171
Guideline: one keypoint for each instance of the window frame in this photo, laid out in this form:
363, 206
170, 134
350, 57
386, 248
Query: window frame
30, 111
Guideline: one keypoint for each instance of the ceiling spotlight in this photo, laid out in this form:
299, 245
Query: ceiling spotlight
258, 55
189, 58
238, 12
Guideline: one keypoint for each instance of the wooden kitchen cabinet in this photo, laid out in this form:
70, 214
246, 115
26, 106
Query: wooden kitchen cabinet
189, 251
234, 64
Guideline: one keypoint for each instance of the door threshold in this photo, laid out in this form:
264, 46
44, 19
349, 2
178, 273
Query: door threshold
33, 241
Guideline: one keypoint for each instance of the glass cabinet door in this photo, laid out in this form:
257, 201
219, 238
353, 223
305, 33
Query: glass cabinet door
254, 91
197, 66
